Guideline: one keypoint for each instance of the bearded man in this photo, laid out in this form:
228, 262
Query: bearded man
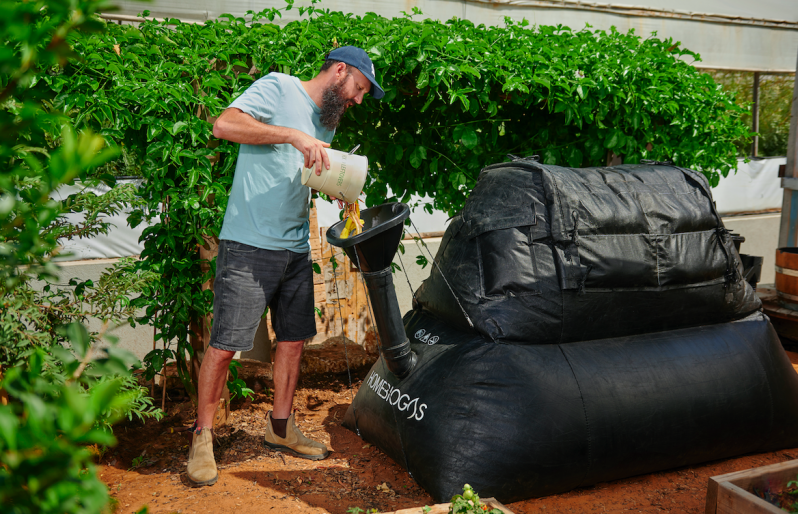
264, 255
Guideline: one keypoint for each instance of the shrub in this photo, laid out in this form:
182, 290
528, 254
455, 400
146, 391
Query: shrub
62, 393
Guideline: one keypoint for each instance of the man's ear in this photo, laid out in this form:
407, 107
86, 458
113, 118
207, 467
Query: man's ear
340, 70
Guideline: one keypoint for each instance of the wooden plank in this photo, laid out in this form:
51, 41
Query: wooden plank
712, 496
766, 476
423, 235
739, 482
736, 500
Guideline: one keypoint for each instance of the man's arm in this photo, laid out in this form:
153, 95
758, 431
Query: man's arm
239, 127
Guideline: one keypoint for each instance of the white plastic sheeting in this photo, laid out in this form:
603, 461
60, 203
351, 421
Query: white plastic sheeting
755, 187
729, 34
121, 240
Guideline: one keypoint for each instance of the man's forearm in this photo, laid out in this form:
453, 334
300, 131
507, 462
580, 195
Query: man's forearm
237, 126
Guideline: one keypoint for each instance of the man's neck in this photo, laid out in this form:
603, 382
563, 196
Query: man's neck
315, 88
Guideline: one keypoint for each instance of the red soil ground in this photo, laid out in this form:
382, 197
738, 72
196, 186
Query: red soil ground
255, 479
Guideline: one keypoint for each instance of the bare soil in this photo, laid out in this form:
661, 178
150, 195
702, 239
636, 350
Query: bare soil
147, 467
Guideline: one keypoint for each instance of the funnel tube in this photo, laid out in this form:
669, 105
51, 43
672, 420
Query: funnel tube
395, 345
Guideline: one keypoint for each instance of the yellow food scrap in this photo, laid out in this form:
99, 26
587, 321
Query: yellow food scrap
353, 221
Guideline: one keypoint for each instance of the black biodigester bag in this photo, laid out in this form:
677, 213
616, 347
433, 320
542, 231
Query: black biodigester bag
544, 254
612, 335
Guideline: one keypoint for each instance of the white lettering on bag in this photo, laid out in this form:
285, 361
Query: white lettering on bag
426, 337
394, 397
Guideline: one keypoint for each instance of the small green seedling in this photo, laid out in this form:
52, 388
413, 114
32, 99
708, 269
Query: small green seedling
468, 503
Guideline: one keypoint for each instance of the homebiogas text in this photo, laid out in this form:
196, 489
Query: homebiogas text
394, 396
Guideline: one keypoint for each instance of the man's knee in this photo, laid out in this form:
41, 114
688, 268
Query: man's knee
291, 346
219, 355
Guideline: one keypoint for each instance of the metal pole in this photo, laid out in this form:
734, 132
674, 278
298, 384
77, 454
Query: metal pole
789, 207
755, 116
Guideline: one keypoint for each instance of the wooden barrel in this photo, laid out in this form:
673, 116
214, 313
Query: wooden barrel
787, 277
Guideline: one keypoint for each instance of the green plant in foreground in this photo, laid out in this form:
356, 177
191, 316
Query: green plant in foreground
468, 503
45, 464
63, 391
237, 386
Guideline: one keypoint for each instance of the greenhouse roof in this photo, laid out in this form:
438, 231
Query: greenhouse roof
728, 34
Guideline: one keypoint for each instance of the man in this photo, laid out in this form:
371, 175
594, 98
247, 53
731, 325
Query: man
264, 255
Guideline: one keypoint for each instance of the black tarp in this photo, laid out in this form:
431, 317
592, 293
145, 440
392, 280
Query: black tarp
521, 421
613, 335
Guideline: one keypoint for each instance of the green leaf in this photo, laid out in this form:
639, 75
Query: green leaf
8, 428
76, 334
574, 157
469, 138
596, 151
613, 139
551, 156
178, 127
417, 156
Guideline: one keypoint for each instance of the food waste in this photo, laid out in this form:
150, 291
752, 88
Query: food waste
354, 225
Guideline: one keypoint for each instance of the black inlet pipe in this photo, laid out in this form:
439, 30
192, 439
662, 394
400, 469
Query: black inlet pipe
395, 345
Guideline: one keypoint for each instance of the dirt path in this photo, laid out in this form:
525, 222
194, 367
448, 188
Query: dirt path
356, 475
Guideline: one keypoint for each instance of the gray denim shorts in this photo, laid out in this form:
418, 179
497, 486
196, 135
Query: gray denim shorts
248, 279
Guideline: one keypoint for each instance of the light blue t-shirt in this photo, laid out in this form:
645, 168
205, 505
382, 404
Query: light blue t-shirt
268, 206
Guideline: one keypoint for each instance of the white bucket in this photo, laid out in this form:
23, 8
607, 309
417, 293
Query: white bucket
345, 178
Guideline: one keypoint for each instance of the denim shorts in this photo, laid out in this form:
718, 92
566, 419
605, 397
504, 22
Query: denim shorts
248, 279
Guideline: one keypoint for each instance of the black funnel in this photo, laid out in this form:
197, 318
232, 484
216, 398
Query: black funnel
377, 244
372, 252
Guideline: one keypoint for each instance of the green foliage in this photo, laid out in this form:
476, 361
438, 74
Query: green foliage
458, 97
468, 503
237, 386
775, 103
63, 391
31, 318
45, 466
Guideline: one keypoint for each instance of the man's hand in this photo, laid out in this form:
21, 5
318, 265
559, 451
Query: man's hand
312, 149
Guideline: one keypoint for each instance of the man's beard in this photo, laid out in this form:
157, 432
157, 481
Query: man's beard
333, 105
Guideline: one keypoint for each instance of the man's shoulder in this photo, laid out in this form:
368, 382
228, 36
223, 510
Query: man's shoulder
281, 79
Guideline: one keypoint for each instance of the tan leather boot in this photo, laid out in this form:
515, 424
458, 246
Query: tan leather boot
294, 442
201, 469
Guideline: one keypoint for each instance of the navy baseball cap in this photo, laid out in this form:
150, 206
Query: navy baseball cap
357, 57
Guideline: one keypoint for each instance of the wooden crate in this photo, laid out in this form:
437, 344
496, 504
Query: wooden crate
443, 508
728, 494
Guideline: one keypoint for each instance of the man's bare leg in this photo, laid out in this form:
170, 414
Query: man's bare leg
201, 467
282, 433
287, 361
213, 375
